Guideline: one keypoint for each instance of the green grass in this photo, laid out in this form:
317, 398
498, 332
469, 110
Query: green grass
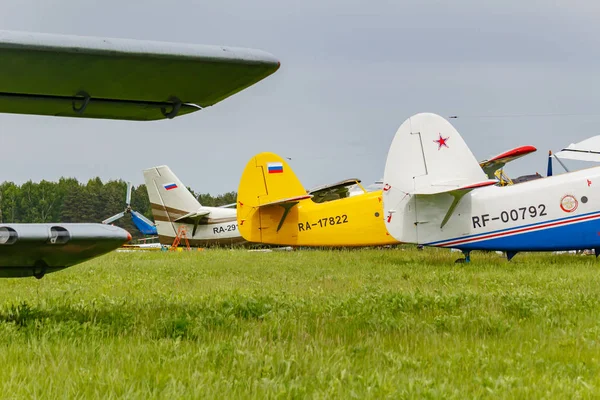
319, 324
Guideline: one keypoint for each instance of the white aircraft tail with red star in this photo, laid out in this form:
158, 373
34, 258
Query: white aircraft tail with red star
429, 156
434, 195
429, 168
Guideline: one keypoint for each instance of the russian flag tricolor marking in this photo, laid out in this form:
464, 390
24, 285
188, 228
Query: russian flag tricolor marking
170, 186
275, 167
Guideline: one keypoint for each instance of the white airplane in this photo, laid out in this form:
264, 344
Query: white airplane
436, 194
175, 208
86, 77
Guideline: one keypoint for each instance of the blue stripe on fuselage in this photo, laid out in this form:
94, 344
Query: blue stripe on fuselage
519, 235
577, 236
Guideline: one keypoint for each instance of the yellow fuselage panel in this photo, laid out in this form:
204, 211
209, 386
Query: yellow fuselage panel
352, 221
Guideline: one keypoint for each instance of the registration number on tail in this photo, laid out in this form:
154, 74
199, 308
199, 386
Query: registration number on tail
323, 222
506, 216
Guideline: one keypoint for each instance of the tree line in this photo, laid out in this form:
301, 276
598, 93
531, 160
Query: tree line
69, 200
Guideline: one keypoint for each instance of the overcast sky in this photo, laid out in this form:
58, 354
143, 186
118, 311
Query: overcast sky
351, 73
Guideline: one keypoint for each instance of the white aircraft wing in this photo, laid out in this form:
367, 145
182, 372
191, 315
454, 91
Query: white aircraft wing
120, 78
586, 150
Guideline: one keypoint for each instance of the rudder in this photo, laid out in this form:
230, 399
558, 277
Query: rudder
266, 179
169, 198
427, 156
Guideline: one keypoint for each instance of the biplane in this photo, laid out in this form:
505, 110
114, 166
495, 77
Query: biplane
274, 208
436, 194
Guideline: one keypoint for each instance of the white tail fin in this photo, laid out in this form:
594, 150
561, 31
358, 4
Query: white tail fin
169, 198
427, 156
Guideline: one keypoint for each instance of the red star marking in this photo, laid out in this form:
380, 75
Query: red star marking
589, 183
442, 141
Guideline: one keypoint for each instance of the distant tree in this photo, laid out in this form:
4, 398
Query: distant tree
9, 193
140, 201
69, 200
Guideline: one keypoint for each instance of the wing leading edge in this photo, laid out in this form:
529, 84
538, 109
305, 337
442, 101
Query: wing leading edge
120, 78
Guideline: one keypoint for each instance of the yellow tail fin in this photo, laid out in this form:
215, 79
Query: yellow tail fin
268, 190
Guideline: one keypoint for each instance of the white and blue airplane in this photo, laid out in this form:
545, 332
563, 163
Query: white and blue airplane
436, 194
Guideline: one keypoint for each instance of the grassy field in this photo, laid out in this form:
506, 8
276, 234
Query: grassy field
320, 324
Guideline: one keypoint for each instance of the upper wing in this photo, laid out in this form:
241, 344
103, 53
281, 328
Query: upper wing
586, 150
495, 163
333, 191
120, 78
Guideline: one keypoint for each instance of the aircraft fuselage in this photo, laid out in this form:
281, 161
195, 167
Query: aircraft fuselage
556, 213
352, 221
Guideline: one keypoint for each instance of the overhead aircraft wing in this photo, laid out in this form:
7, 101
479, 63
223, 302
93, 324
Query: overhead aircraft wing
495, 163
333, 191
586, 150
90, 77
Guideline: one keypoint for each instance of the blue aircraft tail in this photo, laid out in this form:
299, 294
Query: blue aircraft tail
143, 224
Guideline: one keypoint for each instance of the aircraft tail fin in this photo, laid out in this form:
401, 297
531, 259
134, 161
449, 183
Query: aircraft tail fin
427, 156
268, 190
169, 198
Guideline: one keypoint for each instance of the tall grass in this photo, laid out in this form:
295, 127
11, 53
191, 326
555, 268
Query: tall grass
396, 323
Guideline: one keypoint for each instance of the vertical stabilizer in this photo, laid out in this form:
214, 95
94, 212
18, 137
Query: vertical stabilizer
267, 179
169, 198
427, 156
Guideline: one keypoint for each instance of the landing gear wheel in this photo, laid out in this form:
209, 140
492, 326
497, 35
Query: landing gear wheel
39, 270
466, 259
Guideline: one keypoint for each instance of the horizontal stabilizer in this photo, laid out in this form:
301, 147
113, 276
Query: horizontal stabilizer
193, 216
449, 187
291, 200
457, 194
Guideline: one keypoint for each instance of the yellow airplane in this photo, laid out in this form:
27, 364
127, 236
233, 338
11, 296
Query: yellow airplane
274, 208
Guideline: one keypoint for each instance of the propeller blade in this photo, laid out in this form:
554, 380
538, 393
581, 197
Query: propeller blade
113, 218
128, 196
